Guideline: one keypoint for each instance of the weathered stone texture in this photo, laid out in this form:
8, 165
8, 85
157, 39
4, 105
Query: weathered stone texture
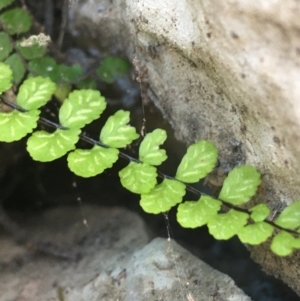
117, 261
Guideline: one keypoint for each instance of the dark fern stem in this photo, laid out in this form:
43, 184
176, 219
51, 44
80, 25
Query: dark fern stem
129, 158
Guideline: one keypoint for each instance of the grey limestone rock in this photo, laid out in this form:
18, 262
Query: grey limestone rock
163, 270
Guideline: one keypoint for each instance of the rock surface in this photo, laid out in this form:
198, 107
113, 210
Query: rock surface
224, 71
174, 274
117, 262
75, 253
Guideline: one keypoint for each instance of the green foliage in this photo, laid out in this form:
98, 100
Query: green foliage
87, 83
255, 234
62, 91
59, 73
16, 125
240, 185
260, 212
81, 107
6, 46
116, 131
29, 55
6, 76
13, 21
226, 225
290, 216
111, 68
35, 92
89, 163
34, 46
284, 243
63, 73
16, 21
44, 66
138, 178
17, 66
194, 214
4, 3
163, 197
149, 151
199, 160
45, 147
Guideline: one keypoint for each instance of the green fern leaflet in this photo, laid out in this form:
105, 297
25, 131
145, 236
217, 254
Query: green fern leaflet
16, 21
149, 151
163, 197
116, 131
15, 125
199, 160
194, 214
16, 64
4, 3
6, 45
89, 163
240, 185
6, 76
290, 216
138, 178
260, 212
255, 234
35, 92
226, 225
81, 108
45, 147
284, 243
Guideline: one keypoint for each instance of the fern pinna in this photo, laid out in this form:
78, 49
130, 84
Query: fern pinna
140, 176
25, 58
